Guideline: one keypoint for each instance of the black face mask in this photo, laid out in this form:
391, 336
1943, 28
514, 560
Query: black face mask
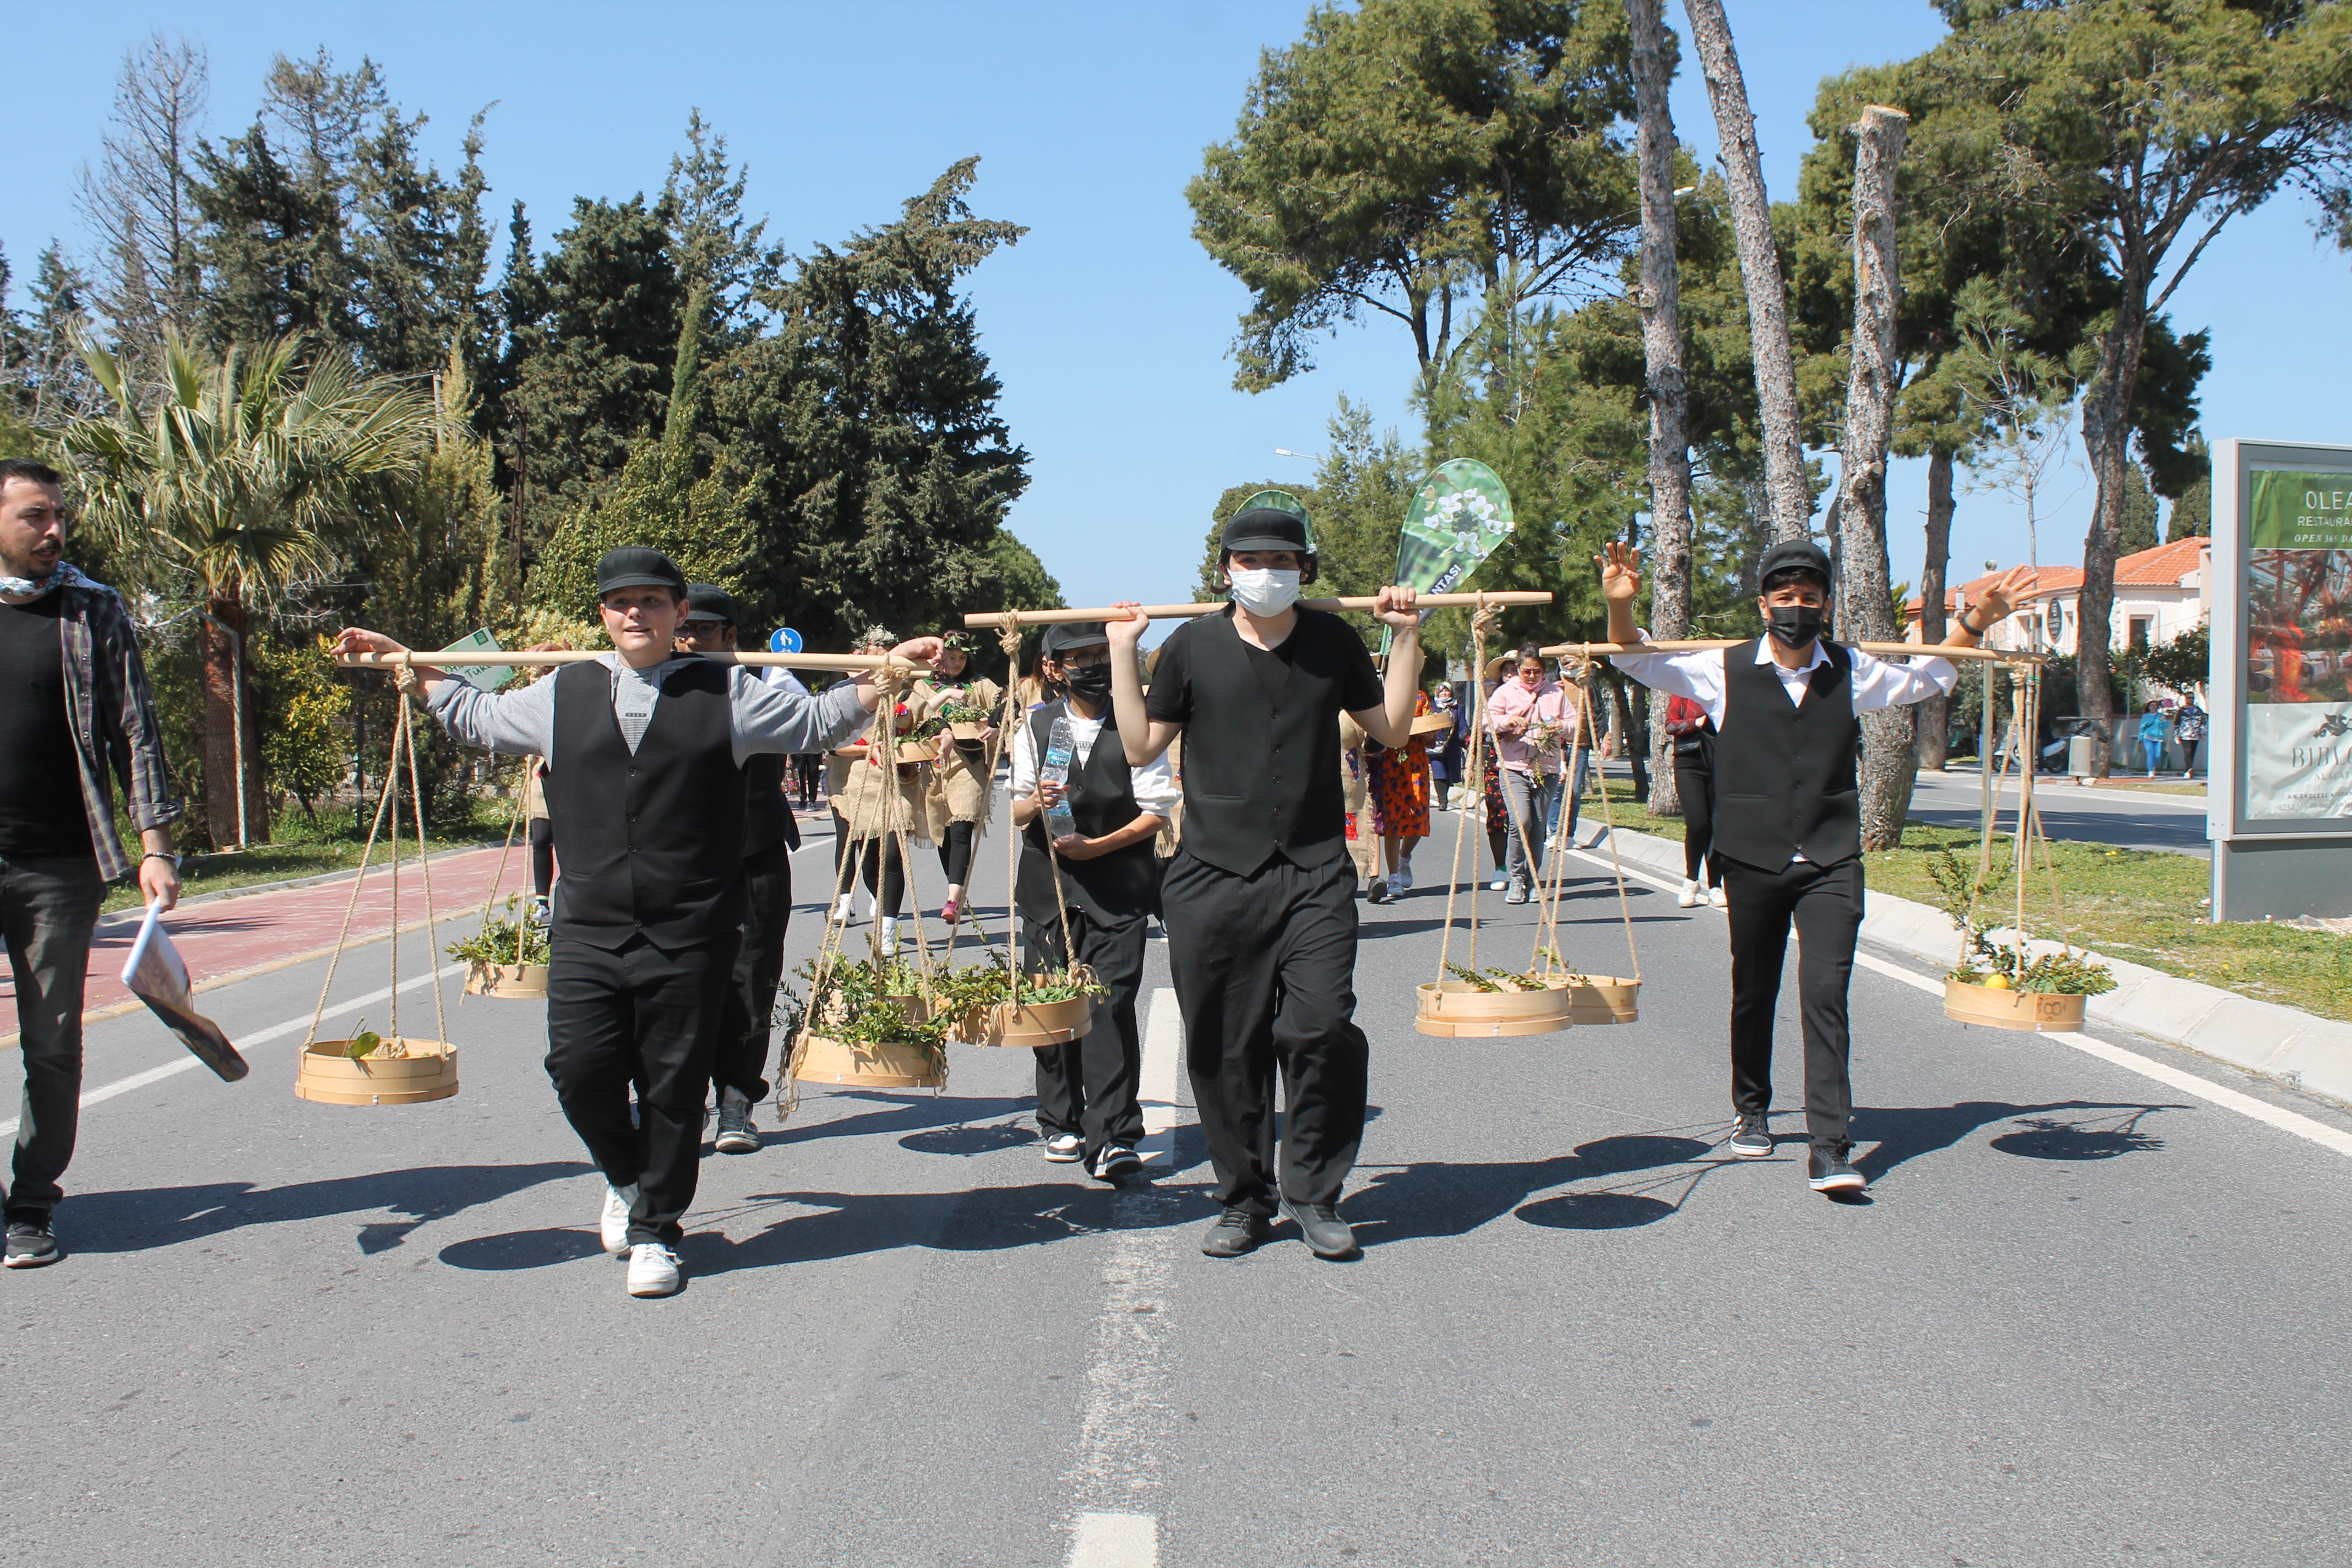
1794, 625
1090, 685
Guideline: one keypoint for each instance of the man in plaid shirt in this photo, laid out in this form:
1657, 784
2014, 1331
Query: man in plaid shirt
77, 703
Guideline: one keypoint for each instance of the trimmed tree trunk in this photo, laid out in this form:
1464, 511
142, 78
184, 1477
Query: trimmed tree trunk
2106, 439
223, 665
1662, 345
1866, 594
1934, 714
1759, 270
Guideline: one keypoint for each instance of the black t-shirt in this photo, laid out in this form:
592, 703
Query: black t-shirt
40, 782
1170, 700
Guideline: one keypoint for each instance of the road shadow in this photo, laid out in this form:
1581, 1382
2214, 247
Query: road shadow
900, 1113
1905, 1133
1443, 1198
965, 1140
140, 1219
814, 1226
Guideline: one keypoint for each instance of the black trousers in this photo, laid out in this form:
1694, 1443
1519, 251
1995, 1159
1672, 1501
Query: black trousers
889, 871
1695, 783
805, 766
542, 832
1264, 969
1087, 1087
1825, 904
638, 1015
742, 1050
49, 912
955, 851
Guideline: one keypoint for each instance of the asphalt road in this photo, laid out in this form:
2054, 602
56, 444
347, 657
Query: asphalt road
2130, 819
2083, 1316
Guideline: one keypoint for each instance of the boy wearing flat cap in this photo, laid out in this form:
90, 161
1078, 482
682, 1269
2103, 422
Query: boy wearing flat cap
1259, 903
1789, 835
645, 750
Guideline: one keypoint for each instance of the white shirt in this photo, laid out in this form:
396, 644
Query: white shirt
1874, 682
1154, 785
777, 675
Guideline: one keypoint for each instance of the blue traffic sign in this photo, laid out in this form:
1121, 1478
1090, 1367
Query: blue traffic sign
784, 640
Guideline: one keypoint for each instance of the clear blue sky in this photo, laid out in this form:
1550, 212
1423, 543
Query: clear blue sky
1108, 325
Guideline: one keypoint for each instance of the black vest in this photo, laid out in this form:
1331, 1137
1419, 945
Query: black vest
1113, 888
1262, 775
1784, 772
652, 843
767, 815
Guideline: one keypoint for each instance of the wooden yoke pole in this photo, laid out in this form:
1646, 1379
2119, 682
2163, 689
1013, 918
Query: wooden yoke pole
1184, 612
428, 658
1882, 650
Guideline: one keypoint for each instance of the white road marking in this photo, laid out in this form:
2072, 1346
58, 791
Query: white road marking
1115, 1541
258, 1037
2262, 1111
1116, 1465
1163, 1049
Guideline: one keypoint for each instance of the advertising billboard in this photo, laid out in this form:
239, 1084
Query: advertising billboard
2280, 813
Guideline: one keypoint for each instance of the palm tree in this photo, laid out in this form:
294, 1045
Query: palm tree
229, 485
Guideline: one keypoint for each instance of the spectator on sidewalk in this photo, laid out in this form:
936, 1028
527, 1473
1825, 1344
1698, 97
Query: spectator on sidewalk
2154, 734
2189, 727
78, 704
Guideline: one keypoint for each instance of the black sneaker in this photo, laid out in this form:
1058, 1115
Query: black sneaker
1826, 1171
1115, 1161
1237, 1231
1377, 890
31, 1242
1750, 1140
1328, 1235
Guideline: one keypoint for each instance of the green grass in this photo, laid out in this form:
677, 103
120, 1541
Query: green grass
2142, 905
296, 849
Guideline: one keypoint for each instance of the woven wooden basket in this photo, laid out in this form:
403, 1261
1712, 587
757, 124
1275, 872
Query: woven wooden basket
328, 1074
1606, 999
2030, 1010
828, 1061
1035, 1024
521, 981
1457, 1009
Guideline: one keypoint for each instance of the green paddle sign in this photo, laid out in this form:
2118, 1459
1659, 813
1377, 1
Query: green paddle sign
1460, 513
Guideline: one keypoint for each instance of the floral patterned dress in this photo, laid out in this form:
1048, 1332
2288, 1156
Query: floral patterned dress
1398, 800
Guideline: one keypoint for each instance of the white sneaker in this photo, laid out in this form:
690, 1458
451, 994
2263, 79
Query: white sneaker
613, 1224
653, 1269
1402, 878
890, 935
1064, 1148
1499, 884
1718, 899
840, 910
1690, 898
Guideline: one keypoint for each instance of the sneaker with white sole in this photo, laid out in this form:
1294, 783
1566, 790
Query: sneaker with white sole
653, 1269
1715, 897
1518, 895
1751, 1140
613, 1224
32, 1241
1402, 878
1690, 898
736, 1135
1115, 1161
839, 915
1499, 884
1828, 1171
1064, 1148
888, 935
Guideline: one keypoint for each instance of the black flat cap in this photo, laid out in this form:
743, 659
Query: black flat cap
1065, 636
635, 566
1265, 528
709, 602
1801, 553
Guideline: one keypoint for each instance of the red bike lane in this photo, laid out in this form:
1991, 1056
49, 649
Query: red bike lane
234, 935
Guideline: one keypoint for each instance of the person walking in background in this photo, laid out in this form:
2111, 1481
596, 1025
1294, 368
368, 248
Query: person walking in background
2189, 727
1529, 716
78, 715
1693, 744
1446, 754
806, 768
963, 779
739, 1063
2154, 734
1397, 781
540, 833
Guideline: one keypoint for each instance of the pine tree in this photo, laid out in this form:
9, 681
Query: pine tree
2192, 514
2138, 531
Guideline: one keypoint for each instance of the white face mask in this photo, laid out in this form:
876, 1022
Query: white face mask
1266, 592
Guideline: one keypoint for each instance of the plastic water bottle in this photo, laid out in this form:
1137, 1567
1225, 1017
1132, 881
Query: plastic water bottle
1059, 746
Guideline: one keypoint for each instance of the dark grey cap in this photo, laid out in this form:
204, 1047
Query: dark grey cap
635, 566
1264, 528
709, 602
1065, 636
1801, 553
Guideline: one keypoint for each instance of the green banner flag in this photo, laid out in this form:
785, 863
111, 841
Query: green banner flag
1460, 513
2293, 510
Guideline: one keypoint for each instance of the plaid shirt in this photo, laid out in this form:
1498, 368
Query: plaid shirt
113, 717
